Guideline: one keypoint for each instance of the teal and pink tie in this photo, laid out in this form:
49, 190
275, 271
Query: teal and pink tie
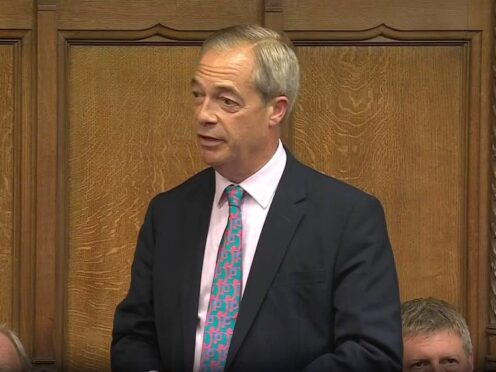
226, 289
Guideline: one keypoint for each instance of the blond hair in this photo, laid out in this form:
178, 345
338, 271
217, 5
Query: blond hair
277, 72
431, 315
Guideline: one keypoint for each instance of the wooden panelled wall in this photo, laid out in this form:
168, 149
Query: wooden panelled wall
95, 119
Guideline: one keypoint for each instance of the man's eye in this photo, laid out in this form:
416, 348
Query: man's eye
418, 365
450, 364
228, 102
196, 94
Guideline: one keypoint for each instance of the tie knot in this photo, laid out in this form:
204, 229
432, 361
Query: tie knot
234, 195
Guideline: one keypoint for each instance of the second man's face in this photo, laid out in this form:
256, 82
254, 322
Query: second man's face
438, 352
233, 131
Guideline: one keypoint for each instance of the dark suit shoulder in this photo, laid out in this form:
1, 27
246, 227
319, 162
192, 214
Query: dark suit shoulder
201, 182
324, 187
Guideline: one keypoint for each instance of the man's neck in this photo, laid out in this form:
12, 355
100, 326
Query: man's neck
238, 174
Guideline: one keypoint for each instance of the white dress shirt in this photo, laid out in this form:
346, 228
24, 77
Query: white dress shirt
259, 192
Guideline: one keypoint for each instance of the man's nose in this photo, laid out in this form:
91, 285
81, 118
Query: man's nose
206, 112
436, 367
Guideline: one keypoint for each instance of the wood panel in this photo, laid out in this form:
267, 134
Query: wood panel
16, 184
381, 119
491, 328
16, 14
130, 136
46, 175
403, 15
137, 15
7, 108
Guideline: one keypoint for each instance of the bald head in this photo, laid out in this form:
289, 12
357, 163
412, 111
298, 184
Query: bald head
9, 358
13, 357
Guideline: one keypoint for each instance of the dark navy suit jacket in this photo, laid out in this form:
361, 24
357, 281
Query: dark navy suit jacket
322, 293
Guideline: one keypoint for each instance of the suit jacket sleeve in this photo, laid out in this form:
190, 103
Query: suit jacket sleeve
134, 341
366, 297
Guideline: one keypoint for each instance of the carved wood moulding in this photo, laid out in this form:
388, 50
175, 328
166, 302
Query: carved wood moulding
491, 328
379, 35
158, 34
23, 166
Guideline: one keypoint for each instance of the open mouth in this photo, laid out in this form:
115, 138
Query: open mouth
208, 141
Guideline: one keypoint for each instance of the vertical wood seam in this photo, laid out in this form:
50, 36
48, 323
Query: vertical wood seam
44, 353
491, 327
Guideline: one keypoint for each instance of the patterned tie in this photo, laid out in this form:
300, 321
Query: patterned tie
226, 289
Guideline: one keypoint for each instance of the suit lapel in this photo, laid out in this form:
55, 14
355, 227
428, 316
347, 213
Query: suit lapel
199, 208
286, 211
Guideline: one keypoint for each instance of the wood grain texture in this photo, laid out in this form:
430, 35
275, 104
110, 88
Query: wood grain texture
390, 121
135, 15
130, 135
46, 174
16, 14
6, 182
491, 329
362, 15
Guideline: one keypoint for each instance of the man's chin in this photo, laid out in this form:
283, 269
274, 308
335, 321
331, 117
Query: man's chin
210, 158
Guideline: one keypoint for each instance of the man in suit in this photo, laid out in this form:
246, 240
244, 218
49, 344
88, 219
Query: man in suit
258, 263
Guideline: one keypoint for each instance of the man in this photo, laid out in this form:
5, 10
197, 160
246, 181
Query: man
13, 358
435, 337
301, 278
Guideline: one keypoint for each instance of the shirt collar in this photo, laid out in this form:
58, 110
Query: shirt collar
262, 185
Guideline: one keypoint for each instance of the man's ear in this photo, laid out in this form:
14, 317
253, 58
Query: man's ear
279, 107
471, 362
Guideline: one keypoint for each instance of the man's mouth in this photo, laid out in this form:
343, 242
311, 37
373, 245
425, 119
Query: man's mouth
208, 141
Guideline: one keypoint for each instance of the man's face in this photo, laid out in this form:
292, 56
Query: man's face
440, 351
235, 132
9, 359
